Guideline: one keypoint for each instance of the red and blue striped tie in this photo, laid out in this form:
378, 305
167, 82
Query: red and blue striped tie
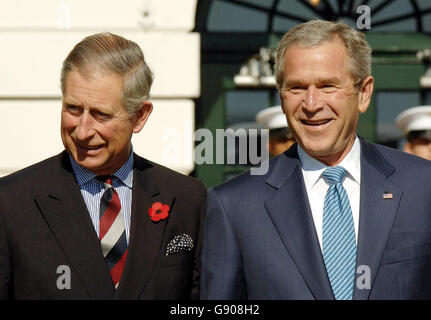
112, 232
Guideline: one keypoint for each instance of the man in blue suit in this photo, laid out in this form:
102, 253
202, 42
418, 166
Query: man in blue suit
335, 217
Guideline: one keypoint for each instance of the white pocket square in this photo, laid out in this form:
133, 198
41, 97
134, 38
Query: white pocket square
180, 243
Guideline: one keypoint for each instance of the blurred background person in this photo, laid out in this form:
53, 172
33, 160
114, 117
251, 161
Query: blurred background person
416, 124
280, 136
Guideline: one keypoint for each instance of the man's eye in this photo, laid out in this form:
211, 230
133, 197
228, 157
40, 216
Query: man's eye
101, 115
297, 89
72, 109
328, 88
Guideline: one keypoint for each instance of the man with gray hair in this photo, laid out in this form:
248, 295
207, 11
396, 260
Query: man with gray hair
335, 217
97, 221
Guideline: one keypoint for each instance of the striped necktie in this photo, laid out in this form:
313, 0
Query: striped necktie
339, 242
112, 233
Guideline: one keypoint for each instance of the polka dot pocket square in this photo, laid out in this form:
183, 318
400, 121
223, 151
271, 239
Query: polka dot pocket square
181, 243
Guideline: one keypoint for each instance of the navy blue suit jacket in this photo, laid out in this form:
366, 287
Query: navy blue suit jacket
260, 241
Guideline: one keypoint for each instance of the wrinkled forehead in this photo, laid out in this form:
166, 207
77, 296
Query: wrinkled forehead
334, 42
93, 73
330, 55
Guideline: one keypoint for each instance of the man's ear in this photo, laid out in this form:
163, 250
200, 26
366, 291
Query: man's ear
365, 93
142, 115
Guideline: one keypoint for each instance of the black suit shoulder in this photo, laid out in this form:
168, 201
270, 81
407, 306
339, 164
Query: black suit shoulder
30, 179
170, 180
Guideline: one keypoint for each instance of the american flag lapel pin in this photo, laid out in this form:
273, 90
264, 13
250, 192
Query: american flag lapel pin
388, 195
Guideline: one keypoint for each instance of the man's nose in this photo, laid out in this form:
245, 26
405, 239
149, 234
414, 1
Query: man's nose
85, 128
313, 99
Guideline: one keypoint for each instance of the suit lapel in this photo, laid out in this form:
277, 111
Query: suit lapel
67, 216
290, 212
146, 236
376, 215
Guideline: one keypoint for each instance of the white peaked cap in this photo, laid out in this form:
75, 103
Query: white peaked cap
272, 118
414, 119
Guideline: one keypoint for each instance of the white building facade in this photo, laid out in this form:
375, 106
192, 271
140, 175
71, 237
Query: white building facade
35, 38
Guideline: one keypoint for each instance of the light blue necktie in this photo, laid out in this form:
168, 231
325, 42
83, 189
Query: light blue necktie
339, 242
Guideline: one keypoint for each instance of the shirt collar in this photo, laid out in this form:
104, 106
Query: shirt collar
124, 174
313, 168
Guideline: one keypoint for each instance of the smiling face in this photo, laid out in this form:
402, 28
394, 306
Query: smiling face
95, 127
320, 100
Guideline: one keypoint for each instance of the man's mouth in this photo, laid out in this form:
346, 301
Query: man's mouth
315, 122
89, 148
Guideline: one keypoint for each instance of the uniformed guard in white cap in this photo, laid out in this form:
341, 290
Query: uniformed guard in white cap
416, 124
280, 137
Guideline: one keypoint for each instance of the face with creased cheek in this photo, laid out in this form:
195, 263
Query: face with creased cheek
320, 100
95, 127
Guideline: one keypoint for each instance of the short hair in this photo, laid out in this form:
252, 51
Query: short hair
419, 134
315, 32
110, 52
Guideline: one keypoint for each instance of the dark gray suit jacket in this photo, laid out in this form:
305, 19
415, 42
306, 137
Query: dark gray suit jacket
260, 241
44, 223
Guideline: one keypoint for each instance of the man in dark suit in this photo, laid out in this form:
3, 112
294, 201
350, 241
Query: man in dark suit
335, 217
97, 221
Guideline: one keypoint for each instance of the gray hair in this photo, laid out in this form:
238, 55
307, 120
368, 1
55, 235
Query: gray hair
315, 32
110, 52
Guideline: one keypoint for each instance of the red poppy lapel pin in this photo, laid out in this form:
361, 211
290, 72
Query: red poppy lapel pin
158, 211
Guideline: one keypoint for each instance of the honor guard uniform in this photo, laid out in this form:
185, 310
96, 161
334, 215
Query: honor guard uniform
416, 124
280, 136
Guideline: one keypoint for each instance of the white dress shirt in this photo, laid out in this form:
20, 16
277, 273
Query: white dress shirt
317, 187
